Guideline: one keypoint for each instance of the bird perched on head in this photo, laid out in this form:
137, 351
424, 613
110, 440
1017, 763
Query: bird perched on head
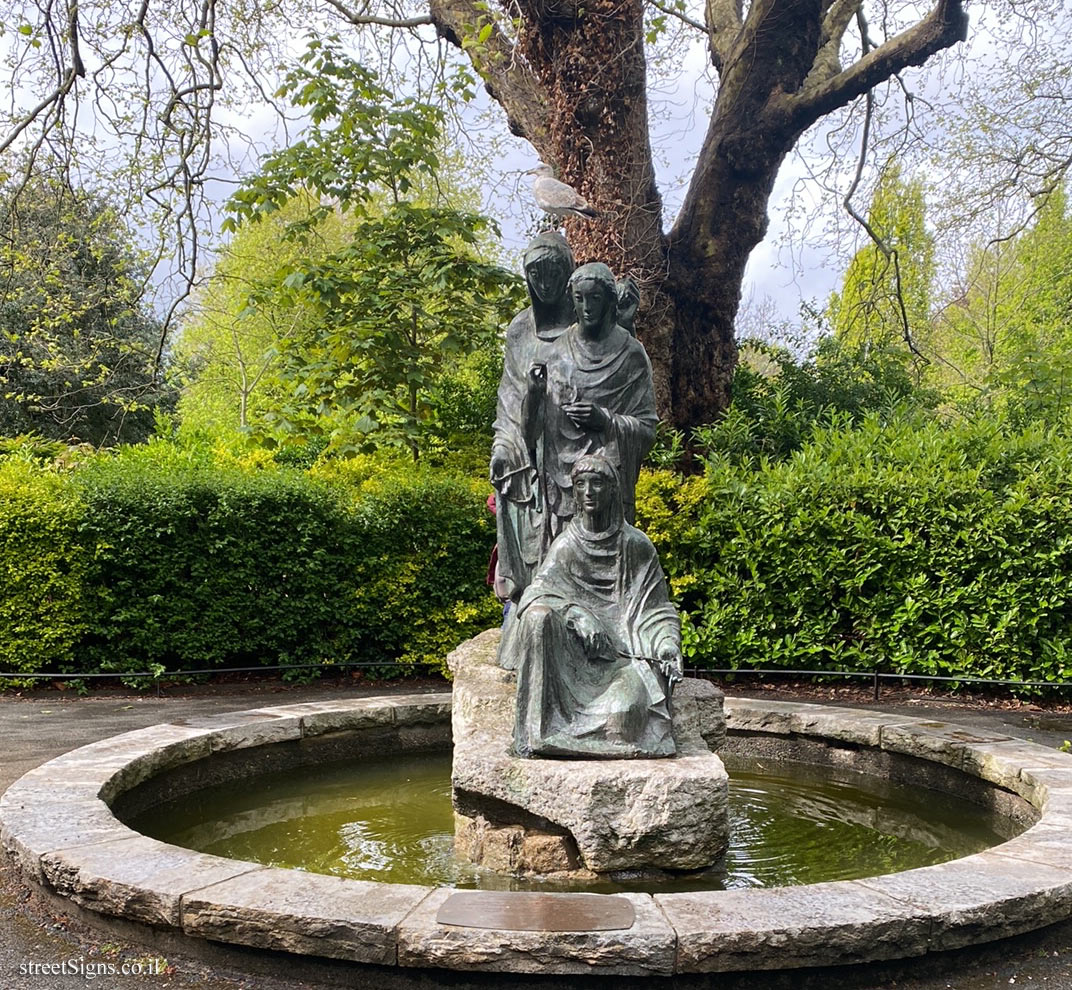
557, 198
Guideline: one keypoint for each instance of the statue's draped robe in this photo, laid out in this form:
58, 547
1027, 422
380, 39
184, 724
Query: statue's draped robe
613, 372
519, 526
613, 706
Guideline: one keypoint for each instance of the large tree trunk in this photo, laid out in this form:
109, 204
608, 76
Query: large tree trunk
593, 71
575, 86
707, 254
724, 215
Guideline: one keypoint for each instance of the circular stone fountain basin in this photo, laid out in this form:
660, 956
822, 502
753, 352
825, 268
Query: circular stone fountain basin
59, 823
392, 819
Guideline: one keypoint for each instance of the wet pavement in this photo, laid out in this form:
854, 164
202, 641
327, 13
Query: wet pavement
40, 950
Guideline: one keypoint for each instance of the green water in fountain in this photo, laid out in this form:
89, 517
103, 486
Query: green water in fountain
391, 821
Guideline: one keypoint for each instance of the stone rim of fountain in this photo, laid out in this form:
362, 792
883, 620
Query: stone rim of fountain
57, 823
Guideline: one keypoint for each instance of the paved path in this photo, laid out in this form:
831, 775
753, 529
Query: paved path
37, 729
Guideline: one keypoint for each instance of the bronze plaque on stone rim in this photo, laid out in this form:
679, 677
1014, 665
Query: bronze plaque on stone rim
522, 911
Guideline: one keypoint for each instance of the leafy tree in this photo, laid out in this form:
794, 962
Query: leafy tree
463, 411
1006, 334
75, 341
406, 295
229, 350
1043, 273
779, 401
885, 296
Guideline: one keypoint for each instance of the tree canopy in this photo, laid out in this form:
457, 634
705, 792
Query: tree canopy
380, 288
1005, 334
229, 351
573, 80
885, 297
76, 341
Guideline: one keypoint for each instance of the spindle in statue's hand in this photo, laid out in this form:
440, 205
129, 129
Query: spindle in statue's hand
671, 665
537, 380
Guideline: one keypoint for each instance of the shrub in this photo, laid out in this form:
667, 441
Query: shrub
42, 611
194, 565
459, 428
899, 544
420, 542
778, 401
914, 549
197, 561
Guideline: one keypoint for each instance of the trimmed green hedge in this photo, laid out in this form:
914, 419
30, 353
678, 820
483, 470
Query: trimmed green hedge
908, 547
195, 568
179, 560
419, 557
42, 571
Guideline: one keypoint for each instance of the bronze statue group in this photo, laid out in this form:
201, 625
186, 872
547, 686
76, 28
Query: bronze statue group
590, 629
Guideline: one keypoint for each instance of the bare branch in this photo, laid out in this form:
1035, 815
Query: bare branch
396, 22
861, 161
72, 32
891, 254
670, 12
48, 103
944, 26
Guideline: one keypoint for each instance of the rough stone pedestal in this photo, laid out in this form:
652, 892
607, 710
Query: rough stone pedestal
547, 816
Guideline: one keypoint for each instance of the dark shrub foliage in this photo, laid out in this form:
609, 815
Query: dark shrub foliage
164, 559
928, 550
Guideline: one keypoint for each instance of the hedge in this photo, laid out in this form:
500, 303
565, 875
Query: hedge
924, 549
173, 561
42, 571
909, 547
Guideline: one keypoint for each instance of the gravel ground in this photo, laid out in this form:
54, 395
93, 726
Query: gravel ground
36, 944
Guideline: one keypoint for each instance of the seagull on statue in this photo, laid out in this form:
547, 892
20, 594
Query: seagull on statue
557, 198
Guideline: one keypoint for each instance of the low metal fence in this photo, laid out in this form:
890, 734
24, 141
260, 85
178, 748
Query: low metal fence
876, 677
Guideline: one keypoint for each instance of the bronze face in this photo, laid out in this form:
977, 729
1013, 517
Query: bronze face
591, 303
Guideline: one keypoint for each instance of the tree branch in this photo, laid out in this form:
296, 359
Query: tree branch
828, 62
724, 23
684, 18
54, 99
508, 77
396, 22
891, 255
77, 65
943, 27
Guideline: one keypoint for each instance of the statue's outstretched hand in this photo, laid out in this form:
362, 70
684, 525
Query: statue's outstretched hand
671, 665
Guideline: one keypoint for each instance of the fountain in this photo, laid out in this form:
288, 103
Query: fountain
392, 820
581, 755
60, 823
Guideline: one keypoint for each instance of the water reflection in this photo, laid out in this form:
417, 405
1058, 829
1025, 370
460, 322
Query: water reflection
392, 821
